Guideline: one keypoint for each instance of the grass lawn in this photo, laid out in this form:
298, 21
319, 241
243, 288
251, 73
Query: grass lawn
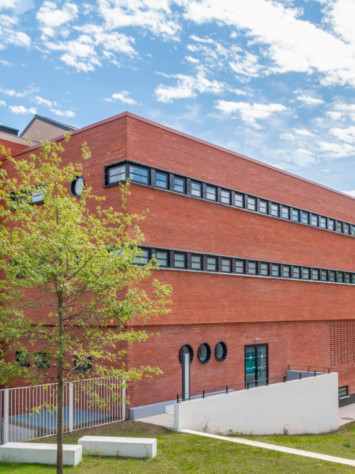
339, 443
194, 454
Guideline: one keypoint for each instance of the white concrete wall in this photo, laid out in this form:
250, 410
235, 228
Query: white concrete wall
300, 406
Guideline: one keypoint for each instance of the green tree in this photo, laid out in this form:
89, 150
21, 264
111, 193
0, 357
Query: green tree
76, 260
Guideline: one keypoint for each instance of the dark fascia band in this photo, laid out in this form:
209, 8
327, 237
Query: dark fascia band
173, 259
164, 180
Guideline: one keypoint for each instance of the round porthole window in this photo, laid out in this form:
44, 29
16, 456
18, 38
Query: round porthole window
186, 349
220, 351
77, 186
204, 353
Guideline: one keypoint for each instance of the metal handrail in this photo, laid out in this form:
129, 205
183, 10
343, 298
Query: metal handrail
203, 393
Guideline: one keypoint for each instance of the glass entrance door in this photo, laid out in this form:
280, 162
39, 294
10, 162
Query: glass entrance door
256, 365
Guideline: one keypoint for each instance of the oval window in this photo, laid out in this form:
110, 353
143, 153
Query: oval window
77, 186
204, 353
186, 349
220, 351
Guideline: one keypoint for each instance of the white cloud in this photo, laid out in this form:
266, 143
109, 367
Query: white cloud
309, 100
351, 193
292, 43
152, 15
5, 63
247, 65
342, 111
188, 87
303, 132
122, 96
10, 34
86, 52
20, 109
340, 16
2, 103
63, 113
13, 93
50, 17
40, 101
7, 4
337, 150
250, 113
344, 134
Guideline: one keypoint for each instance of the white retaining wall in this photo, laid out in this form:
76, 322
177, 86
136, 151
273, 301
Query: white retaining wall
309, 405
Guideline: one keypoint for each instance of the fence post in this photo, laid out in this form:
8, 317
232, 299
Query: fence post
123, 396
71, 406
6, 415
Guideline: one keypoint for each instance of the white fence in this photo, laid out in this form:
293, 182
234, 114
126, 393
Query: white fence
31, 412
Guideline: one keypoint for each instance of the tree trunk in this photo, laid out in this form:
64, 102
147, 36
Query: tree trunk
60, 387
60, 420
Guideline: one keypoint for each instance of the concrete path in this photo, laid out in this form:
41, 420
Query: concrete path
346, 414
274, 447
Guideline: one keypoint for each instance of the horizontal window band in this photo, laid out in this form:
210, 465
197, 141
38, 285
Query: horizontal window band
173, 259
163, 180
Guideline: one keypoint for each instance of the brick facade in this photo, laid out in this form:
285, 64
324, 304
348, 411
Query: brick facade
295, 318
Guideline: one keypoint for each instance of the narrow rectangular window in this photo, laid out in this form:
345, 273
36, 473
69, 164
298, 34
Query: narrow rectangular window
162, 258
315, 274
196, 189
161, 180
331, 224
274, 209
353, 230
225, 196
211, 193
252, 268
115, 174
251, 203
340, 277
305, 273
285, 212
211, 264
295, 215
286, 271
323, 275
347, 277
139, 174
353, 278
263, 207
264, 269
275, 270
338, 226
196, 262
179, 184
239, 200
305, 217
314, 220
226, 265
346, 228
343, 392
142, 258
239, 266
331, 275
179, 260
22, 358
322, 222
41, 360
296, 272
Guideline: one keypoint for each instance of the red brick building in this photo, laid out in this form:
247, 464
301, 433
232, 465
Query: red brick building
261, 262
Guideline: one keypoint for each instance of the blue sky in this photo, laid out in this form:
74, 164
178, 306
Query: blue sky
271, 79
